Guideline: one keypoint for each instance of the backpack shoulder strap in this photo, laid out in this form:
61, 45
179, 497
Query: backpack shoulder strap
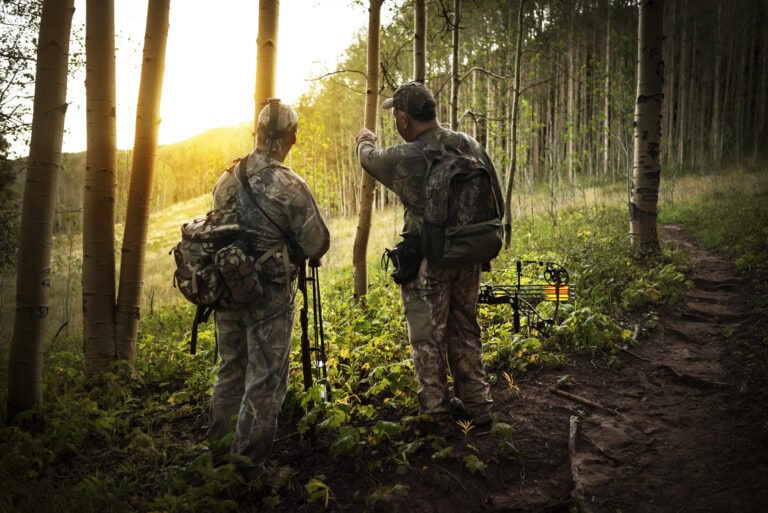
243, 179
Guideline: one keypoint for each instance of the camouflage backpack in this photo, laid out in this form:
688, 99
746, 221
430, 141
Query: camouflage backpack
462, 212
214, 265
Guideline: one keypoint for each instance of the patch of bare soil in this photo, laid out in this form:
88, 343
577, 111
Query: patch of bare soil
679, 426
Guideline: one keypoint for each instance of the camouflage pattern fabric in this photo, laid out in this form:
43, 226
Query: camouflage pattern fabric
403, 168
455, 175
462, 212
441, 305
240, 271
255, 340
441, 313
254, 344
413, 98
195, 255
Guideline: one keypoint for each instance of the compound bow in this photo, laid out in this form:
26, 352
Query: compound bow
550, 284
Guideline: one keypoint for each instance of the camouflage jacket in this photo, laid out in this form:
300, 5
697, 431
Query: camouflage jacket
402, 168
285, 198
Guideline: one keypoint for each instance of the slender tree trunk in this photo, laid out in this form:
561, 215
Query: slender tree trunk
513, 129
730, 97
360, 248
759, 130
99, 194
455, 65
714, 135
743, 87
420, 41
25, 367
644, 194
142, 170
685, 88
570, 109
607, 169
670, 84
266, 57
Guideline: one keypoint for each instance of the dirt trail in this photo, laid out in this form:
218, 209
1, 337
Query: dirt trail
690, 435
678, 426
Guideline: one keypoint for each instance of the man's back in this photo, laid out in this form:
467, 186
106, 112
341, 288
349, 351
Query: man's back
403, 168
287, 207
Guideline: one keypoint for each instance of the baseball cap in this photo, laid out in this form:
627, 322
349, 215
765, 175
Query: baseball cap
277, 119
413, 98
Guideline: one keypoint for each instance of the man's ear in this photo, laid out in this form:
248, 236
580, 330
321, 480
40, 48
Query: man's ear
404, 119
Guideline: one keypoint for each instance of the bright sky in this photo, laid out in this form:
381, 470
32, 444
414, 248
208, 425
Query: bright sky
210, 63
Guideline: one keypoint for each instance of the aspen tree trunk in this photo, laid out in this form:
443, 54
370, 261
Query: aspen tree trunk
691, 122
743, 87
420, 41
714, 135
682, 92
729, 96
762, 99
455, 65
33, 268
644, 193
513, 129
266, 57
99, 194
755, 87
570, 110
360, 248
670, 91
128, 307
607, 168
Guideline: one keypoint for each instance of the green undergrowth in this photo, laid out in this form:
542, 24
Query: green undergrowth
134, 443
731, 216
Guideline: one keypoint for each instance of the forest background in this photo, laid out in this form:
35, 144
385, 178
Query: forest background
577, 90
574, 145
574, 132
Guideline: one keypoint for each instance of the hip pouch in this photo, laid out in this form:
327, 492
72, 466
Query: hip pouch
405, 258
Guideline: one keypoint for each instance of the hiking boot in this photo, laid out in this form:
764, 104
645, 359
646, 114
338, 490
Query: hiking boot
459, 412
482, 420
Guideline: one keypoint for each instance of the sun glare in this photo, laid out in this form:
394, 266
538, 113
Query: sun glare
211, 61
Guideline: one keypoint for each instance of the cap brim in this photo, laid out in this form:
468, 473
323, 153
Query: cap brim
388, 103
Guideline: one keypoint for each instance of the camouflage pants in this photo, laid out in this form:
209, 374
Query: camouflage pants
254, 344
441, 311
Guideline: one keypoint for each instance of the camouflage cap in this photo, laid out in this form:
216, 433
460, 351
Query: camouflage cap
276, 122
415, 99
277, 119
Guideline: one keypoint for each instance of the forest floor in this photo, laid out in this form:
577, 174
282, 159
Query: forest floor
679, 425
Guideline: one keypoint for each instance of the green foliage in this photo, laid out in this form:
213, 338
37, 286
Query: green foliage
20, 20
318, 491
135, 443
387, 498
737, 202
9, 212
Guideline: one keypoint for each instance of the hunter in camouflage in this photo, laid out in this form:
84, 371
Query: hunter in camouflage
255, 340
441, 303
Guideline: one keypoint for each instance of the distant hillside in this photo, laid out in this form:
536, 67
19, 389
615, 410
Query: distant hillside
184, 170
